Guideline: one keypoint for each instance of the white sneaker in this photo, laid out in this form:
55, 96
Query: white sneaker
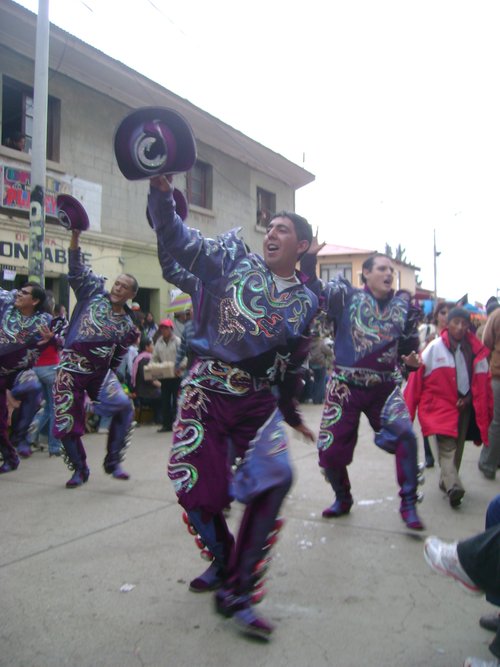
478, 662
443, 558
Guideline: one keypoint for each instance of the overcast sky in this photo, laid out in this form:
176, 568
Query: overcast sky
393, 105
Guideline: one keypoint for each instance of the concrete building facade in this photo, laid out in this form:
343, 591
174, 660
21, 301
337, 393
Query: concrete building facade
336, 259
236, 182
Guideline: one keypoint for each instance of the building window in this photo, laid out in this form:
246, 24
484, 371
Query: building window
331, 271
199, 185
17, 118
266, 207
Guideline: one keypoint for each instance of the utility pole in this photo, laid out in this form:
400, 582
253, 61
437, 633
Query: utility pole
36, 248
436, 255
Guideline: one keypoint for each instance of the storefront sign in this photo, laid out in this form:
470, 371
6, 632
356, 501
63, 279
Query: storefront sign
53, 252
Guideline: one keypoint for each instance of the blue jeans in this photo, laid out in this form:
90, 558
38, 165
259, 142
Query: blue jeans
46, 375
319, 384
105, 421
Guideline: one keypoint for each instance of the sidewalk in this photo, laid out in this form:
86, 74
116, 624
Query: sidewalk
352, 592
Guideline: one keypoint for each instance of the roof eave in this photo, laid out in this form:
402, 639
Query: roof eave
77, 60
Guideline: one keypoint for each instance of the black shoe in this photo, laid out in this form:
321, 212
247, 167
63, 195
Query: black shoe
210, 580
455, 495
240, 609
411, 518
119, 473
339, 508
490, 622
9, 465
80, 476
429, 462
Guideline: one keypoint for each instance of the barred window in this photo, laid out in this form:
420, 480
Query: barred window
199, 185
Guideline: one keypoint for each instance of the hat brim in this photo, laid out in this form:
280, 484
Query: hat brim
71, 213
181, 207
154, 140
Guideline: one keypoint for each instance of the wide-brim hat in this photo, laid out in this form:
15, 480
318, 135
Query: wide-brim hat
152, 141
71, 213
181, 206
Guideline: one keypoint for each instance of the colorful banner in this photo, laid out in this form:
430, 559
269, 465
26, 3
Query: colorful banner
16, 188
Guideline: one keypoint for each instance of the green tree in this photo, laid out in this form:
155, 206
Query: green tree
400, 254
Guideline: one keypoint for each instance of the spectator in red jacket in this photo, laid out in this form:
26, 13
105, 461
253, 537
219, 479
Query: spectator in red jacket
452, 391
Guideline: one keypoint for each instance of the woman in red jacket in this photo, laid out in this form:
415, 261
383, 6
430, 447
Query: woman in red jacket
452, 391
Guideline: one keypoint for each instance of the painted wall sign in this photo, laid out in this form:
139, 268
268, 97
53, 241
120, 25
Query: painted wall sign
16, 186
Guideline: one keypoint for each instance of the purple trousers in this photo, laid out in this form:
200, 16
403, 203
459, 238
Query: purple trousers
212, 432
388, 415
109, 399
25, 387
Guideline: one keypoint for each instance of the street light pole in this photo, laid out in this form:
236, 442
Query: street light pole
36, 247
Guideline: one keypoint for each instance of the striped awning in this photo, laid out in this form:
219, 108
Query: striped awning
180, 303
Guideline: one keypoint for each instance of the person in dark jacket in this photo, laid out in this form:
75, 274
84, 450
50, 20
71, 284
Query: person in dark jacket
147, 392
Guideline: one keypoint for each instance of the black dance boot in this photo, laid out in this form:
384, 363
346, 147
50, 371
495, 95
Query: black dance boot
339, 479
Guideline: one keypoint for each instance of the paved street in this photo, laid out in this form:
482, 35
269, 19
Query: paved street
352, 592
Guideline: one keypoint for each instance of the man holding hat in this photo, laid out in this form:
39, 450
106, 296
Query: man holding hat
452, 392
165, 350
251, 333
489, 459
100, 331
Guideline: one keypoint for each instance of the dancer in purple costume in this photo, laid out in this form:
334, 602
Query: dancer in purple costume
99, 333
252, 317
375, 330
24, 329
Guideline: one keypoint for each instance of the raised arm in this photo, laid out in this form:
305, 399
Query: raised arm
82, 279
206, 258
173, 272
308, 264
331, 295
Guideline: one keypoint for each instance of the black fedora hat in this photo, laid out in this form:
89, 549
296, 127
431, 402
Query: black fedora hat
71, 213
181, 206
152, 141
